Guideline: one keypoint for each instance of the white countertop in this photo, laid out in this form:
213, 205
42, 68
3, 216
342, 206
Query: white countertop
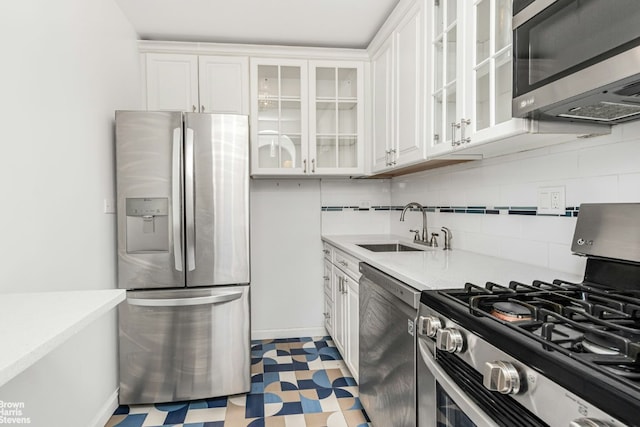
435, 268
33, 324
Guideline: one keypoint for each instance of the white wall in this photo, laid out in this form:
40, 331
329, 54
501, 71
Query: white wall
286, 259
604, 169
67, 65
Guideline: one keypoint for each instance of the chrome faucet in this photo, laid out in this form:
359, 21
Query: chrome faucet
448, 235
424, 221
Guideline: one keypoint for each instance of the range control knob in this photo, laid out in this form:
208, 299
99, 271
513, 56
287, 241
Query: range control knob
502, 377
588, 422
429, 325
449, 340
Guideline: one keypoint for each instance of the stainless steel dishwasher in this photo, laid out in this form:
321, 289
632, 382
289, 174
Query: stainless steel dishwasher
388, 310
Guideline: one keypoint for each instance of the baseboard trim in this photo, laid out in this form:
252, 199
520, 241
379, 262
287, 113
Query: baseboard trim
106, 411
288, 333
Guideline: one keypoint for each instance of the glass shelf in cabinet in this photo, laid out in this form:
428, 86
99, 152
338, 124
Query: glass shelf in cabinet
483, 35
347, 152
325, 82
347, 83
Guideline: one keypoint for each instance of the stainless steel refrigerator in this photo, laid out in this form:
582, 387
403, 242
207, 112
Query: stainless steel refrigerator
183, 255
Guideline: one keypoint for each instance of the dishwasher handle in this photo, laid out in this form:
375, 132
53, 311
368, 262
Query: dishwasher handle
181, 302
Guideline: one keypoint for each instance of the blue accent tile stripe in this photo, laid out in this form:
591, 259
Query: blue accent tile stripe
570, 211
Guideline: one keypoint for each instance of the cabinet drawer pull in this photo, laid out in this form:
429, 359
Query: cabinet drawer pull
464, 123
454, 126
304, 163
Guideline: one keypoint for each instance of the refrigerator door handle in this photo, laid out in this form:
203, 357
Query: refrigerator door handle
175, 200
180, 302
189, 200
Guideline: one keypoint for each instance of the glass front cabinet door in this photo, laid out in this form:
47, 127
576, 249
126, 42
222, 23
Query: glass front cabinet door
336, 118
279, 116
445, 87
489, 70
307, 117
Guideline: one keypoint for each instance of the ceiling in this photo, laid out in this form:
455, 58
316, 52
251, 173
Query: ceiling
324, 23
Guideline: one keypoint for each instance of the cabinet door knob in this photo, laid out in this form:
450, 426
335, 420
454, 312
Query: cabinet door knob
193, 107
313, 165
202, 108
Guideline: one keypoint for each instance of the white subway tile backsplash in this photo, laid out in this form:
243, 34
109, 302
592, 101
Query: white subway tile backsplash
561, 259
356, 222
629, 188
477, 242
503, 225
598, 189
519, 194
601, 169
549, 229
527, 251
488, 196
618, 158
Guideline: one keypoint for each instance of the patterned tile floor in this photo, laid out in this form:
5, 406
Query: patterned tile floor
295, 382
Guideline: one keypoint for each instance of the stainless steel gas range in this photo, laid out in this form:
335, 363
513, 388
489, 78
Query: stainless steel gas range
540, 354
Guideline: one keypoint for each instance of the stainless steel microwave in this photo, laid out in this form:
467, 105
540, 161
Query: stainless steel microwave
577, 60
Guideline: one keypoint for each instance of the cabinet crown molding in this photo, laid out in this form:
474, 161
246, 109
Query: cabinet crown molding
263, 51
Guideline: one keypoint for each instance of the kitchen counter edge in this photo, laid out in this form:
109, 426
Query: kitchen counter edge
434, 268
34, 324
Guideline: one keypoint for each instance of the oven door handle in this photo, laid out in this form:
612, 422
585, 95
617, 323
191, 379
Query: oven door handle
470, 409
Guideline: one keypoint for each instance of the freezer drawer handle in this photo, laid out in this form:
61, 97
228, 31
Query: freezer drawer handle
179, 302
175, 200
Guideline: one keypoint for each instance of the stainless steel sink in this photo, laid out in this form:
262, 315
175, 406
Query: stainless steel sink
389, 247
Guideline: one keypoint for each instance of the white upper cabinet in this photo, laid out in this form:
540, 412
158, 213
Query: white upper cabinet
211, 84
398, 94
446, 77
470, 88
409, 84
307, 117
172, 82
489, 73
224, 84
337, 117
382, 92
279, 118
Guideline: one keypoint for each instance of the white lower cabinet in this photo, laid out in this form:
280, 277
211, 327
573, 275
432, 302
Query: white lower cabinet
341, 306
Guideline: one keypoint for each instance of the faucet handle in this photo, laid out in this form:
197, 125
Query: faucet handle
433, 242
416, 237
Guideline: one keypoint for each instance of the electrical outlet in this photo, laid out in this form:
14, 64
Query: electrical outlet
551, 200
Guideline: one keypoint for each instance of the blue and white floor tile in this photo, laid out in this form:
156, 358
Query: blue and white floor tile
295, 382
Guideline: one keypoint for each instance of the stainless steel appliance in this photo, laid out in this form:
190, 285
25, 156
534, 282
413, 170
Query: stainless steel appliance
577, 60
540, 354
387, 369
183, 254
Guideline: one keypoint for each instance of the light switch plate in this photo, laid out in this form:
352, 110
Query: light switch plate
551, 201
109, 206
